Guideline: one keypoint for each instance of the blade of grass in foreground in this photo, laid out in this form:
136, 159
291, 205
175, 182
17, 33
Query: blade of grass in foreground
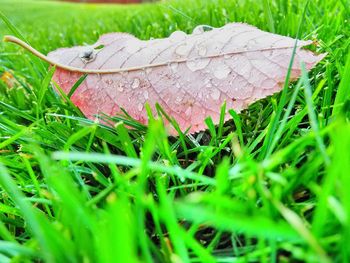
115, 231
12, 27
16, 250
268, 15
258, 226
127, 161
266, 150
335, 185
148, 149
18, 34
43, 88
343, 92
39, 225
312, 115
76, 85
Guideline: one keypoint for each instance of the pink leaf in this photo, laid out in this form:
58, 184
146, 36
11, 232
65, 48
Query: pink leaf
190, 76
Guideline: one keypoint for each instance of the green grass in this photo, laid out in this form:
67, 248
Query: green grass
269, 186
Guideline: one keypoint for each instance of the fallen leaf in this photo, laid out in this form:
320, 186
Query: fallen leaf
189, 75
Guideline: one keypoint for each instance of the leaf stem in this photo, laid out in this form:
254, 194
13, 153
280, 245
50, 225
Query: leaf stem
35, 52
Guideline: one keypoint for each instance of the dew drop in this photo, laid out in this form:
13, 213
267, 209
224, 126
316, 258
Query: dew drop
183, 49
124, 76
209, 85
227, 56
182, 180
120, 87
135, 84
174, 66
251, 44
197, 64
202, 50
148, 70
87, 55
222, 71
188, 112
215, 94
139, 107
146, 95
198, 30
201, 29
178, 36
178, 100
109, 81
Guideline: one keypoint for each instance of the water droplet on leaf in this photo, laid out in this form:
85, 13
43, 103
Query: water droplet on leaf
197, 64
174, 66
145, 94
87, 55
178, 100
183, 49
222, 71
201, 29
188, 112
215, 94
120, 87
109, 81
178, 36
202, 50
135, 84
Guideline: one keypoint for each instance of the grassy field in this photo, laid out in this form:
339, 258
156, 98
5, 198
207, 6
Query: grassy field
269, 186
